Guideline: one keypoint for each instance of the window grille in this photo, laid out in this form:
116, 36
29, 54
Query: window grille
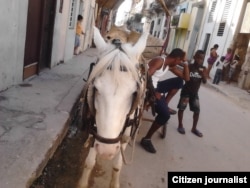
72, 14
224, 17
212, 11
159, 21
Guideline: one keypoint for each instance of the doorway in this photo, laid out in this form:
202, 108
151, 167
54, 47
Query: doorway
39, 35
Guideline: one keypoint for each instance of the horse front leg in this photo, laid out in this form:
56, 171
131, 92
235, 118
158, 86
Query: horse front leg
116, 170
117, 166
88, 166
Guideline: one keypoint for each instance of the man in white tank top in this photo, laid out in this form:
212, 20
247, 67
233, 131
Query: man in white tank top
158, 67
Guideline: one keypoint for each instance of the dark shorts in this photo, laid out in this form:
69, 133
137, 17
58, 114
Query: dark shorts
169, 84
192, 99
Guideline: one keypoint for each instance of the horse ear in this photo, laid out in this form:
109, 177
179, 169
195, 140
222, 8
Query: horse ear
139, 46
98, 39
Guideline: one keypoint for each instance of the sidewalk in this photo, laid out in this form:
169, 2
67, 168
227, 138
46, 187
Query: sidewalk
233, 92
34, 117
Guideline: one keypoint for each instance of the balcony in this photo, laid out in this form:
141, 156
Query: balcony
180, 21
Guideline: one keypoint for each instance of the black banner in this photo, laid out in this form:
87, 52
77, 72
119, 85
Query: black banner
208, 179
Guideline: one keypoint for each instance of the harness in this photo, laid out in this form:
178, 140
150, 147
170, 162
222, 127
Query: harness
133, 118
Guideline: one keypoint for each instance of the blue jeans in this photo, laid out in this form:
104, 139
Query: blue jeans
217, 77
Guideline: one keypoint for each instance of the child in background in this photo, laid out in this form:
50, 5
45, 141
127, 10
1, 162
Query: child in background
233, 65
79, 32
218, 73
228, 57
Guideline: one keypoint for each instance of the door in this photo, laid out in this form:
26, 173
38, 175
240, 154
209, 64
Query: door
33, 38
39, 33
47, 34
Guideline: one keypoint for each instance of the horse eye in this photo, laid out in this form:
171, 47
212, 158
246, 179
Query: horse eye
108, 37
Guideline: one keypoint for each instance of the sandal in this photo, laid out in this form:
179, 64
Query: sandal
171, 111
181, 130
197, 133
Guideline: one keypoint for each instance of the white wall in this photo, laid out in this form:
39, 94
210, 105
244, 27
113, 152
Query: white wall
88, 22
60, 34
13, 17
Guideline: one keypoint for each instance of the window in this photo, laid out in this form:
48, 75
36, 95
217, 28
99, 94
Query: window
158, 34
159, 21
183, 10
206, 41
223, 21
211, 13
72, 14
164, 34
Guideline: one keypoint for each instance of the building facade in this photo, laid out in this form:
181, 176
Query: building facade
39, 35
199, 24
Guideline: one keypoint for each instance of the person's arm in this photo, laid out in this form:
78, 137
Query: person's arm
153, 65
203, 71
184, 74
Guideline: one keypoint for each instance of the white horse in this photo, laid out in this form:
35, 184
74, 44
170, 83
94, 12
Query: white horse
113, 92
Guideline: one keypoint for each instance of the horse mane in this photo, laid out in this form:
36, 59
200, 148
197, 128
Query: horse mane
115, 60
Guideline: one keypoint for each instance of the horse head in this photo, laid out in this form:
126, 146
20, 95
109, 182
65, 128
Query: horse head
113, 85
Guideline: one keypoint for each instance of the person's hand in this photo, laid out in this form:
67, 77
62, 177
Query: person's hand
157, 95
203, 71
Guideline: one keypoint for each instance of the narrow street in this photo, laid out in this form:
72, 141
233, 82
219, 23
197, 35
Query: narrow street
224, 124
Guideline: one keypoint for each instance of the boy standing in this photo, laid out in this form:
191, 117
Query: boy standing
218, 73
189, 92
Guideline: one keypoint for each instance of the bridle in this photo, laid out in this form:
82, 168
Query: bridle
89, 116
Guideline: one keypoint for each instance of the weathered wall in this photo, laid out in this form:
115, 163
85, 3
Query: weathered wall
13, 17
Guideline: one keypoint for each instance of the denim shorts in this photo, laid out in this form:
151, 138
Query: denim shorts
77, 41
192, 100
